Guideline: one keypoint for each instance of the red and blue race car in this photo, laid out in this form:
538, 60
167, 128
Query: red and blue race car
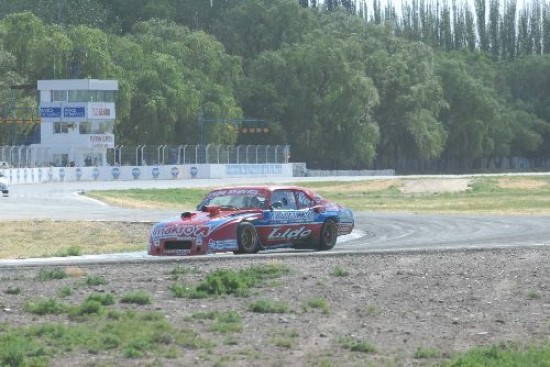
253, 218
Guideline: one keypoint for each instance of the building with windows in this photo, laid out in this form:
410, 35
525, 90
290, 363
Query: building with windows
78, 117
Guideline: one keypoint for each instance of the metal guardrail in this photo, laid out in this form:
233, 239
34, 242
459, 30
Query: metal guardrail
143, 155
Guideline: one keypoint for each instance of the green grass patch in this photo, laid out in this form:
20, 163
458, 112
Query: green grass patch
65, 291
105, 299
268, 306
339, 272
317, 304
122, 334
183, 199
284, 338
137, 297
95, 280
485, 195
357, 345
227, 322
13, 290
46, 274
229, 282
426, 353
71, 251
503, 356
45, 307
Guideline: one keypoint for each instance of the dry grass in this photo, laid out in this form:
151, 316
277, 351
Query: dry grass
51, 238
521, 183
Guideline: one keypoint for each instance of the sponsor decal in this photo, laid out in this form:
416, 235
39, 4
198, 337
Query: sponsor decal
174, 172
101, 141
61, 174
222, 245
74, 112
292, 216
253, 169
288, 233
193, 171
136, 172
155, 172
180, 231
50, 112
177, 252
78, 173
95, 173
235, 192
115, 172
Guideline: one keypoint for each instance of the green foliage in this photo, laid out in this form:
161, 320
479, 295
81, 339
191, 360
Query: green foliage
128, 334
422, 352
503, 355
182, 291
103, 298
357, 345
65, 291
137, 297
268, 306
229, 282
339, 272
95, 280
317, 304
225, 281
46, 274
227, 322
45, 307
71, 251
12, 290
360, 85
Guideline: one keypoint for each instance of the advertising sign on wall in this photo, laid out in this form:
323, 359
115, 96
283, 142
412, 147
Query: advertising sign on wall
102, 111
74, 112
50, 112
101, 141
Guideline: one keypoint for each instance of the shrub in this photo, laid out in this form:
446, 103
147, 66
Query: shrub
49, 306
13, 290
266, 306
137, 297
50, 274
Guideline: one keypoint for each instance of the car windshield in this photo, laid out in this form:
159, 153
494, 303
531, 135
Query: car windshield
236, 199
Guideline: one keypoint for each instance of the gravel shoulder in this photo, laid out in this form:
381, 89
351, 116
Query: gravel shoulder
397, 302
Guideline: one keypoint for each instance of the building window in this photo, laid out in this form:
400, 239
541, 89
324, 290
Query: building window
60, 127
59, 95
90, 96
96, 127
79, 96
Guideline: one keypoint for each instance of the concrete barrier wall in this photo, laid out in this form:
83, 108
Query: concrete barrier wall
167, 172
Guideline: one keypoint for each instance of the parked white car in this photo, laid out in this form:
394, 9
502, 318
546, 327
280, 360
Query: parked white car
4, 184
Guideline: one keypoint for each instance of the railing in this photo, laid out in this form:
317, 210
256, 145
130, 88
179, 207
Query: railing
143, 155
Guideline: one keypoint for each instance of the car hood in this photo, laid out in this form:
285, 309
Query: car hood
197, 223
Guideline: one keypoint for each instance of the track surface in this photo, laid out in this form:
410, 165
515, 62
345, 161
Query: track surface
374, 231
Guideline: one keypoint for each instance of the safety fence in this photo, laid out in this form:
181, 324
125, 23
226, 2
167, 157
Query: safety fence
148, 155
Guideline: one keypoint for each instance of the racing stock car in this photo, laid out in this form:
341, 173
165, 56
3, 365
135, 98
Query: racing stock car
253, 218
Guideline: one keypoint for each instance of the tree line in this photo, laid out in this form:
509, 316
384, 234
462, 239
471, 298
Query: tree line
342, 88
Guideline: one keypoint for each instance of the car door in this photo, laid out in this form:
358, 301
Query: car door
288, 221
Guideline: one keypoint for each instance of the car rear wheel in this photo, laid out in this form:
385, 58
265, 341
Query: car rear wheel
329, 233
248, 240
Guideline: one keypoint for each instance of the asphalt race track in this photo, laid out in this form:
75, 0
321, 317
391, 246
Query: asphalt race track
374, 231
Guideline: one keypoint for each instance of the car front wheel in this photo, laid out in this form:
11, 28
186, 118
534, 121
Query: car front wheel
248, 240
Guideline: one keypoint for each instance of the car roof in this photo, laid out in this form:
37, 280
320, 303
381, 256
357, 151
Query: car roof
262, 187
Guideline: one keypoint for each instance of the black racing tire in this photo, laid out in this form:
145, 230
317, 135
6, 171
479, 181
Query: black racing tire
329, 234
247, 238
